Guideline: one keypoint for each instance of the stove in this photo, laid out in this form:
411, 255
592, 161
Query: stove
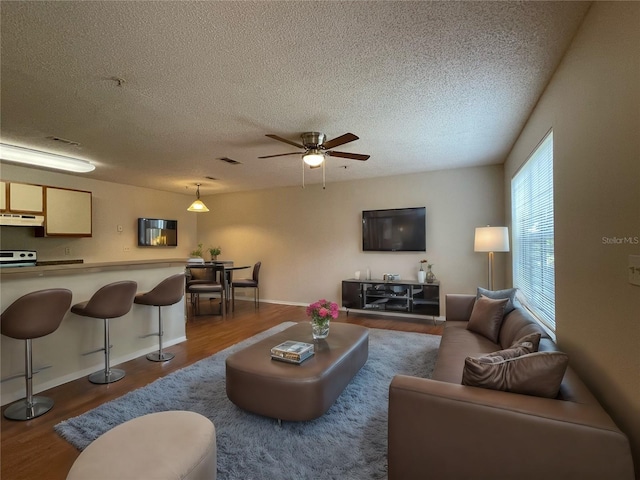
17, 258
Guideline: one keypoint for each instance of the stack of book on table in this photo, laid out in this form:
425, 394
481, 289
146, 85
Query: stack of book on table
292, 351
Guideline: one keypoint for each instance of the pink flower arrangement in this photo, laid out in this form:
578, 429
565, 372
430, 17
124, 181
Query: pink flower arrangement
323, 310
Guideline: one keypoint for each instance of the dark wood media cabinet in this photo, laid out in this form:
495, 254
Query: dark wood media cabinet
397, 297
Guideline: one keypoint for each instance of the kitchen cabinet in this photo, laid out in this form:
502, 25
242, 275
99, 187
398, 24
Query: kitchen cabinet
3, 196
67, 213
25, 198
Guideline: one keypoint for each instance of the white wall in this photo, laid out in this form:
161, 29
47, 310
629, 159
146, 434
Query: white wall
593, 106
113, 204
309, 239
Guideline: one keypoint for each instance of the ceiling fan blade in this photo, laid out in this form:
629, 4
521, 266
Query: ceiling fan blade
282, 154
352, 156
341, 140
280, 139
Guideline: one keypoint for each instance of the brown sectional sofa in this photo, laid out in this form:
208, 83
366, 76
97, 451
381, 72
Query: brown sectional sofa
441, 429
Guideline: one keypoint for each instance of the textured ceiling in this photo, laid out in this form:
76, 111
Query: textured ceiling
425, 85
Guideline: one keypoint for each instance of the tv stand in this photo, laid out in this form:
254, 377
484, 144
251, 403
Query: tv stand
402, 297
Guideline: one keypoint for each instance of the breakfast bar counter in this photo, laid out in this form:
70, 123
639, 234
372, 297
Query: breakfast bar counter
63, 349
74, 268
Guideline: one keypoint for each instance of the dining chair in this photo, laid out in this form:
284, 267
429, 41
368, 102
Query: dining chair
211, 281
252, 282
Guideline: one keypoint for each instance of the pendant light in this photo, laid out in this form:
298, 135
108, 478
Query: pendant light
198, 206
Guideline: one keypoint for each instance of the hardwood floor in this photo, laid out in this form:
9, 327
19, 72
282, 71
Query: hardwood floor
32, 450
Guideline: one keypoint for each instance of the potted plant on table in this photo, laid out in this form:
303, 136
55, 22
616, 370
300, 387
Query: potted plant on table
197, 252
214, 252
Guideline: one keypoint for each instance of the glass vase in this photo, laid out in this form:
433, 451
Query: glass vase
319, 327
430, 275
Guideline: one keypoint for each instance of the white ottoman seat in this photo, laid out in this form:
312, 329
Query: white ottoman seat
173, 445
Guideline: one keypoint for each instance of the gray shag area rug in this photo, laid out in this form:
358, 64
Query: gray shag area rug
347, 442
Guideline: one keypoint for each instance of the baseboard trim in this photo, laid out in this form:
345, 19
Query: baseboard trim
343, 309
55, 382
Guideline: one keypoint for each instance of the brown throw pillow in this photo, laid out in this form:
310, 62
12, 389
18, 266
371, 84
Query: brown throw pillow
531, 342
486, 317
509, 293
523, 346
505, 354
539, 374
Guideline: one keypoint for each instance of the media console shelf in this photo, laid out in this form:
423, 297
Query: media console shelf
397, 297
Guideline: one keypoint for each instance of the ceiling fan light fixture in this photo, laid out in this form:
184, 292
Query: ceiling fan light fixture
313, 157
198, 206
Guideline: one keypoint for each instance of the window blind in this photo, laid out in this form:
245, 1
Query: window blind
533, 238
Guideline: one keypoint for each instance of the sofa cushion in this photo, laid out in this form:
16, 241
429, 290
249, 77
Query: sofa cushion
516, 325
486, 317
456, 345
509, 294
539, 374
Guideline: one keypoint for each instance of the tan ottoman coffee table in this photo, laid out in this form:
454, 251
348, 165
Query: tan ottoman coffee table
286, 391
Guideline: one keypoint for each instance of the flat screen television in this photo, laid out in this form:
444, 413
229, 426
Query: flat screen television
155, 232
394, 230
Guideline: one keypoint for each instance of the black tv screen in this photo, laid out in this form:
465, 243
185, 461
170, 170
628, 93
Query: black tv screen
395, 230
155, 232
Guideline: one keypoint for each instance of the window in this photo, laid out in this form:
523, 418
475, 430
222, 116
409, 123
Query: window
532, 225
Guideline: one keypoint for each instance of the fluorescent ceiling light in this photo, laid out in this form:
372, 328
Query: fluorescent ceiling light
27, 156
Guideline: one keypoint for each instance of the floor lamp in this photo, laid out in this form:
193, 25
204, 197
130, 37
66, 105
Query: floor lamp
491, 239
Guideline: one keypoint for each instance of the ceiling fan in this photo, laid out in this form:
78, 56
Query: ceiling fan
316, 146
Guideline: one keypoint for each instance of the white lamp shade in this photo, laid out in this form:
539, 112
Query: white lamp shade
491, 239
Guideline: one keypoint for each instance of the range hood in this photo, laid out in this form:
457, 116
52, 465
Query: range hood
21, 220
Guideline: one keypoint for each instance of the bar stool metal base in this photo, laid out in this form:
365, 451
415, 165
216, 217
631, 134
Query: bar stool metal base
21, 410
160, 357
101, 377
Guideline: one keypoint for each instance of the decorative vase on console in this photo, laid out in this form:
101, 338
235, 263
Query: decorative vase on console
422, 275
321, 313
430, 275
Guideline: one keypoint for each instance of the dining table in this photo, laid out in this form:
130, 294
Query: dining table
229, 268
